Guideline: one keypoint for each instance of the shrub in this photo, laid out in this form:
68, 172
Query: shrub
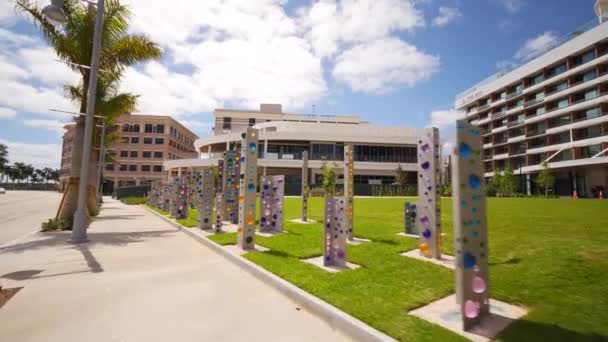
57, 224
133, 200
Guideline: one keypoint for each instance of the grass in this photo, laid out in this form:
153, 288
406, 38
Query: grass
548, 255
132, 200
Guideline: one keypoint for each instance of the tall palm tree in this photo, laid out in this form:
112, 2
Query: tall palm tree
73, 43
3, 160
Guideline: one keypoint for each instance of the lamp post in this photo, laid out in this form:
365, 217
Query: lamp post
54, 12
102, 157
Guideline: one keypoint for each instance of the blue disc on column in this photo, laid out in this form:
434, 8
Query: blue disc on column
251, 187
474, 182
464, 150
469, 261
252, 147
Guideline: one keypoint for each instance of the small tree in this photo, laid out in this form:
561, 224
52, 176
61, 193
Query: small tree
329, 179
508, 183
545, 178
493, 185
400, 175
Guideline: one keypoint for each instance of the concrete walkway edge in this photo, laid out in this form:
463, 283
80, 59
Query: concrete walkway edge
344, 322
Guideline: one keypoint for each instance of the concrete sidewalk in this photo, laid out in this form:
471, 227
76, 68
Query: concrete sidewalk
140, 279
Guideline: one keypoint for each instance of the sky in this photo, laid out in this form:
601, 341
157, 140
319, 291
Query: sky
393, 62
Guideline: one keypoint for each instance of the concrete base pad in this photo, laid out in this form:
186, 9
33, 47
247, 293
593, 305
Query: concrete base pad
357, 241
414, 236
269, 234
446, 313
309, 221
445, 261
318, 261
237, 250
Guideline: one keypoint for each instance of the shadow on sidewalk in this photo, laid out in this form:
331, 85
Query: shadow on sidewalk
59, 239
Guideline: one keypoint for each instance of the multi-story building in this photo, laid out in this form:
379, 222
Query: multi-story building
554, 109
144, 142
229, 120
379, 150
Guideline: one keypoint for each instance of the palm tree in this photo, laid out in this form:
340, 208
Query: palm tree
3, 160
73, 43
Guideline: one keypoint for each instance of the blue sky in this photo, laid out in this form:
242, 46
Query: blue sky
394, 62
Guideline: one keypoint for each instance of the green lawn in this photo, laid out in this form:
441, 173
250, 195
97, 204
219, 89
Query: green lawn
550, 256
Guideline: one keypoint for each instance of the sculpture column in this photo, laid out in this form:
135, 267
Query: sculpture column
470, 226
429, 205
248, 189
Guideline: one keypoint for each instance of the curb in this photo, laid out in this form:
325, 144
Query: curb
337, 318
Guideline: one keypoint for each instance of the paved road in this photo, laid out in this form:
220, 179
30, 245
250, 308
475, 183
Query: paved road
22, 212
140, 279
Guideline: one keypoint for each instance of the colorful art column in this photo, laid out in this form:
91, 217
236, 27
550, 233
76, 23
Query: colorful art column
229, 180
219, 197
470, 226
248, 189
305, 189
272, 193
234, 215
179, 206
429, 205
410, 218
349, 190
206, 194
165, 197
335, 233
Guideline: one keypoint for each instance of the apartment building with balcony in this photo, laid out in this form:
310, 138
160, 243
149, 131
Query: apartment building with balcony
554, 109
378, 150
144, 142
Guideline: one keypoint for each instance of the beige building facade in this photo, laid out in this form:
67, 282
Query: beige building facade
143, 143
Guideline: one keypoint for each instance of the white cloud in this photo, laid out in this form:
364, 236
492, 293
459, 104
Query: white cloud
51, 125
446, 16
7, 12
39, 155
444, 119
241, 51
537, 46
378, 66
512, 6
7, 113
330, 23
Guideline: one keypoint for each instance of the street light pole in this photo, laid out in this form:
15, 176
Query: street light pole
102, 157
79, 229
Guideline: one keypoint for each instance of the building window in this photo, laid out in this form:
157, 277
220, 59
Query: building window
123, 168
589, 76
539, 111
134, 140
160, 128
561, 86
558, 69
538, 79
158, 168
124, 154
159, 141
591, 94
145, 168
132, 168
126, 127
147, 141
135, 128
109, 167
592, 113
158, 154
587, 56
562, 103
124, 140
133, 154
251, 121
146, 154
148, 128
227, 123
590, 151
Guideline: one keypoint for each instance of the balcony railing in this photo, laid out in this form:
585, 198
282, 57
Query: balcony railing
515, 94
484, 107
515, 123
536, 132
533, 102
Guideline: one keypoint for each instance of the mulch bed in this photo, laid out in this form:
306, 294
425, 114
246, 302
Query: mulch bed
7, 294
